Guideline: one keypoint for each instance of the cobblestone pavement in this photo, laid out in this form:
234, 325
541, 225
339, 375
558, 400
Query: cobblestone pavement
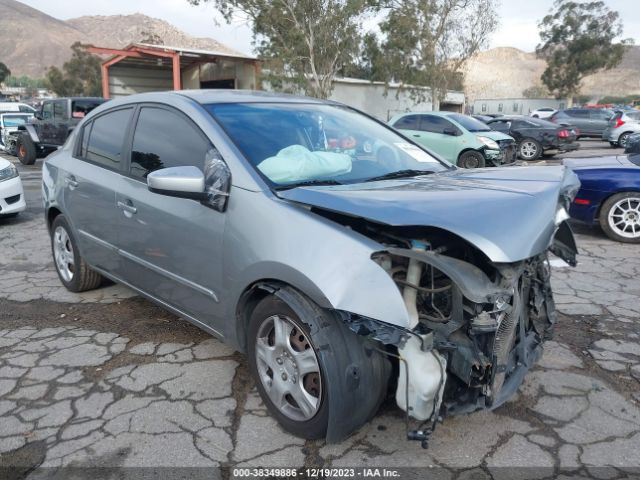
105, 378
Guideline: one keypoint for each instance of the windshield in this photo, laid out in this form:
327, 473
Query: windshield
469, 123
308, 143
80, 108
15, 120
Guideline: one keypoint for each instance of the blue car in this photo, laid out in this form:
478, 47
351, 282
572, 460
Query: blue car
609, 195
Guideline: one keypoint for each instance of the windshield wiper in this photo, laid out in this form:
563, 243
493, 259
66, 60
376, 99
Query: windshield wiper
307, 183
400, 174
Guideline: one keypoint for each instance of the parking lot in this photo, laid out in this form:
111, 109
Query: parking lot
105, 378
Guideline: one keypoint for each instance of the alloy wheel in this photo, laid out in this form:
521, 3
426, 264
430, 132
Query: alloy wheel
622, 141
63, 254
288, 368
624, 217
528, 150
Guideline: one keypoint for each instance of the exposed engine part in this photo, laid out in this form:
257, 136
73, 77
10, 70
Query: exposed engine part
421, 379
412, 283
487, 322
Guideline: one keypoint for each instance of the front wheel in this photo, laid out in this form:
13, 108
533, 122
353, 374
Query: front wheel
620, 217
299, 359
74, 273
471, 159
530, 149
26, 150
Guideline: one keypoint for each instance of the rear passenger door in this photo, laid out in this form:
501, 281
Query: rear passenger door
171, 247
90, 184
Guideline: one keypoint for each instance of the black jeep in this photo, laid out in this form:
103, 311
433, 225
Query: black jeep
51, 126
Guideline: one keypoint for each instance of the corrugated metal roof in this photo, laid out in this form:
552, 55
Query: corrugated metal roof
220, 53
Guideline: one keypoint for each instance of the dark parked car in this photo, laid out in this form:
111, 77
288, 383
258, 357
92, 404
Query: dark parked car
591, 122
609, 195
536, 137
52, 125
323, 243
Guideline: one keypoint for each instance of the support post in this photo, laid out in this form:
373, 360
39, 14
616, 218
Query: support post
177, 77
105, 80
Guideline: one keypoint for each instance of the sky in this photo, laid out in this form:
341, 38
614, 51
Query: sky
518, 18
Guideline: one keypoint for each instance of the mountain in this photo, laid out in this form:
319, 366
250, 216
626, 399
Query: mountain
505, 72
31, 41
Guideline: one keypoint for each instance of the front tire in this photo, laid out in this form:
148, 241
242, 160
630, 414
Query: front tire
529, 149
620, 217
74, 273
26, 150
298, 358
471, 159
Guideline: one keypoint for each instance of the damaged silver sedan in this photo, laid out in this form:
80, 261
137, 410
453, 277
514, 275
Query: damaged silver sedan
347, 261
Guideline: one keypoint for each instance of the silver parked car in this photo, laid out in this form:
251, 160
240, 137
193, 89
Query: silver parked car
621, 126
342, 257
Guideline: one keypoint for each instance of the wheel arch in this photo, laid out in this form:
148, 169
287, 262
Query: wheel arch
260, 289
51, 215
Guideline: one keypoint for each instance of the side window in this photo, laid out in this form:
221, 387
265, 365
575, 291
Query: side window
105, 139
500, 126
578, 113
86, 131
24, 109
163, 139
431, 123
409, 122
59, 110
47, 110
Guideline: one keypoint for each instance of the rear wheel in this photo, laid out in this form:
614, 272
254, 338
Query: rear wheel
74, 273
623, 139
529, 149
295, 368
620, 217
471, 159
26, 150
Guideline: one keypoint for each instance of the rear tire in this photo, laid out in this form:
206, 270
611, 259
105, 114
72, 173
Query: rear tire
26, 150
74, 273
471, 159
281, 345
529, 149
619, 217
623, 139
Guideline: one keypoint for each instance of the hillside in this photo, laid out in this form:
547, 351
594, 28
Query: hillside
505, 72
32, 41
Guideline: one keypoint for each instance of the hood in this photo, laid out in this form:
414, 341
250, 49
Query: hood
493, 135
508, 213
612, 161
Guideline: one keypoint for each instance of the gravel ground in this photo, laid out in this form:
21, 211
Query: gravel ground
105, 378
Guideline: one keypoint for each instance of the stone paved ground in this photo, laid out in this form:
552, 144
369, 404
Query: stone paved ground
105, 378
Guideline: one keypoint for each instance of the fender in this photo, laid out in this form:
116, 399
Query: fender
31, 130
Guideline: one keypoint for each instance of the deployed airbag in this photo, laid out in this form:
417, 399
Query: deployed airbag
297, 164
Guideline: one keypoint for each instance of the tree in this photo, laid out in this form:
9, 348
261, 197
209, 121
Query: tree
304, 43
80, 76
535, 91
4, 72
578, 39
427, 42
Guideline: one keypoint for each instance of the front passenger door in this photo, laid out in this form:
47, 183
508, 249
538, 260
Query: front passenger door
171, 247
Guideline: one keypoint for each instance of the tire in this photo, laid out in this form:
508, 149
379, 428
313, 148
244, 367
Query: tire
529, 149
614, 144
619, 217
26, 150
471, 159
536, 116
74, 273
548, 155
623, 139
329, 351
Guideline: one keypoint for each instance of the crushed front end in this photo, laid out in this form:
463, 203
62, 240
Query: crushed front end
476, 326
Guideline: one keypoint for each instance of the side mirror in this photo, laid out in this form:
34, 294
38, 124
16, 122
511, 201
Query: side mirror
38, 115
450, 131
182, 182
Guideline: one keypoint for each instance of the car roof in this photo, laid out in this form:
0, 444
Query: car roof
205, 96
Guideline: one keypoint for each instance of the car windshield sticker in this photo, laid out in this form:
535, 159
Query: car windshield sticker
416, 153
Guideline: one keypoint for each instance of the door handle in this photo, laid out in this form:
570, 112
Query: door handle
416, 135
127, 207
71, 182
